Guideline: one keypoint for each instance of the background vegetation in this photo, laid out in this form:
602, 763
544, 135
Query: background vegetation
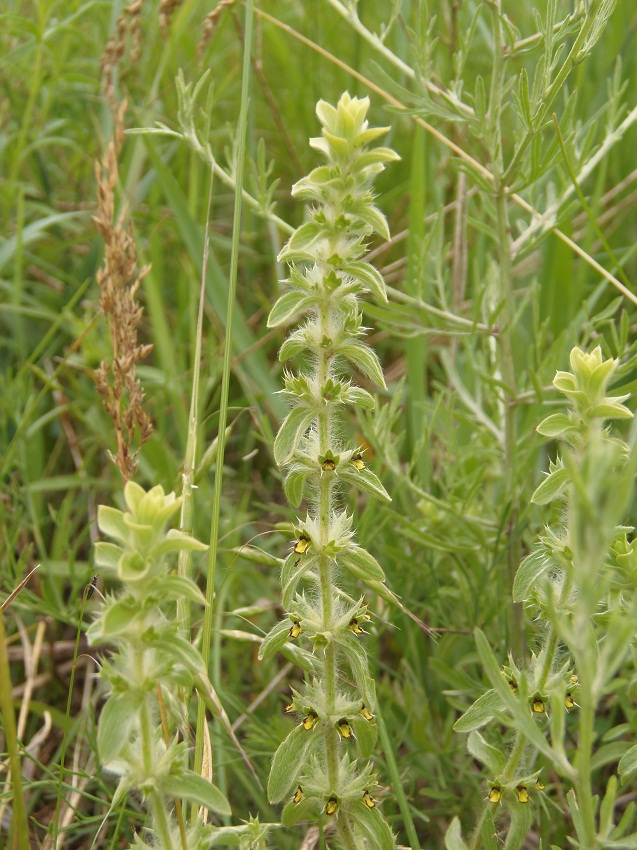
485, 304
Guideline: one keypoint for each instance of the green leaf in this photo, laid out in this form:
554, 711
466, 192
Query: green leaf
364, 359
295, 486
373, 826
295, 344
178, 587
288, 762
288, 307
555, 425
119, 616
358, 397
521, 819
300, 240
552, 486
453, 836
368, 277
491, 757
356, 656
182, 651
365, 481
628, 764
294, 568
366, 736
275, 639
307, 810
117, 721
290, 433
484, 709
359, 562
197, 789
107, 555
110, 521
532, 568
178, 541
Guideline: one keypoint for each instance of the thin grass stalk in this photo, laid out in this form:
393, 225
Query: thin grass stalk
190, 458
19, 832
227, 365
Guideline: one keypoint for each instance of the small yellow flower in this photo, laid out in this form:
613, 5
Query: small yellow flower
538, 706
310, 720
495, 792
331, 806
301, 544
328, 465
368, 800
298, 796
354, 625
539, 785
366, 714
290, 709
569, 702
357, 460
295, 631
345, 730
523, 794
574, 679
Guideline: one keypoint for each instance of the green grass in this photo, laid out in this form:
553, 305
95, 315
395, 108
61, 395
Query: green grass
454, 446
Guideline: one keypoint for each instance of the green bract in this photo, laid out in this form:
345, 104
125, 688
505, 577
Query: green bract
321, 767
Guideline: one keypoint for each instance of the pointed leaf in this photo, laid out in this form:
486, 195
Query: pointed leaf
364, 359
555, 425
275, 639
453, 836
117, 721
628, 764
356, 656
288, 307
552, 486
373, 826
197, 789
491, 757
484, 709
532, 568
365, 481
359, 562
368, 277
107, 555
295, 486
288, 762
290, 433
111, 522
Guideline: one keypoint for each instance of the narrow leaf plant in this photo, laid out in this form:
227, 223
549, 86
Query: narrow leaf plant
322, 768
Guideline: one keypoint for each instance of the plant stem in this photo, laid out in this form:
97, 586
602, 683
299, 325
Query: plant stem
504, 346
227, 363
190, 459
583, 781
159, 817
325, 566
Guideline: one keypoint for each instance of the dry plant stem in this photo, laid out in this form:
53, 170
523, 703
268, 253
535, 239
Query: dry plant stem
518, 199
